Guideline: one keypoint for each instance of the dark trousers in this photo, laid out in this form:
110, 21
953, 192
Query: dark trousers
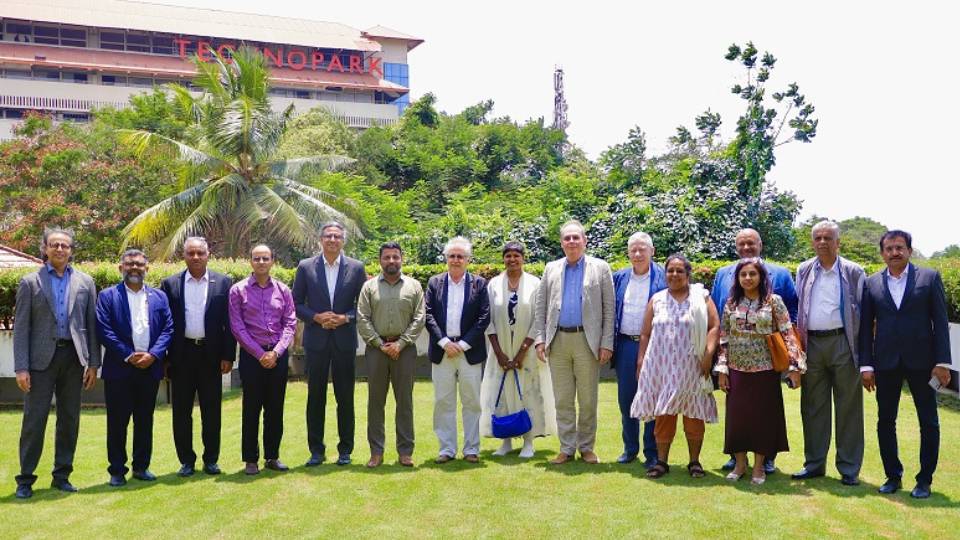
63, 378
195, 377
321, 364
382, 372
626, 365
134, 396
263, 390
889, 385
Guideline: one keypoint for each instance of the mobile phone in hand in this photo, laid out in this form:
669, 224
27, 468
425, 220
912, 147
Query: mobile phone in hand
935, 383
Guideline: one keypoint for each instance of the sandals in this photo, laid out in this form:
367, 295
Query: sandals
695, 469
659, 469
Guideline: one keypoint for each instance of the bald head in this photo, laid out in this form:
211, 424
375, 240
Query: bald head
748, 243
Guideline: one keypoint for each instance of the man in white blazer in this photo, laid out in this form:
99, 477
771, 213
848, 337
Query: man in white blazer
574, 325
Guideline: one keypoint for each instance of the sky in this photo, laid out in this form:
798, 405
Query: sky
880, 74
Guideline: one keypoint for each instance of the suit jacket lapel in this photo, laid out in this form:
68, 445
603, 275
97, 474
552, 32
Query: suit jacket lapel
583, 293
46, 284
322, 278
211, 283
181, 293
466, 299
911, 283
444, 283
72, 294
125, 322
341, 272
886, 291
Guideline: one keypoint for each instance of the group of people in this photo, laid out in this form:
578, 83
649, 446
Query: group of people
515, 343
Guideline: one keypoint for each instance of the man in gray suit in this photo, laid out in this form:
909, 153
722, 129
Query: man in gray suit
574, 323
828, 320
55, 352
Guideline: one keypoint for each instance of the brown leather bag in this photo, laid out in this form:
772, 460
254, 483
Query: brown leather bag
779, 354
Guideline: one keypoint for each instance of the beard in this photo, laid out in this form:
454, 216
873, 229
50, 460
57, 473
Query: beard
134, 279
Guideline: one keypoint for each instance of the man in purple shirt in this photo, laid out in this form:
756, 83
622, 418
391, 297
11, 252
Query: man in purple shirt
262, 319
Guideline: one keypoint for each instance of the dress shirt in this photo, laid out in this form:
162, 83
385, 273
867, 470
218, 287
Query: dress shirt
194, 305
61, 292
897, 285
139, 319
635, 304
824, 311
332, 271
261, 317
385, 310
571, 307
455, 298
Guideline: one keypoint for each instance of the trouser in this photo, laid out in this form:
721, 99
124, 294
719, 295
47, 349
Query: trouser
321, 364
889, 386
136, 396
382, 372
194, 376
576, 378
666, 428
263, 391
831, 373
449, 375
63, 378
625, 363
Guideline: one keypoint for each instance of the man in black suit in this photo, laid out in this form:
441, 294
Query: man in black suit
325, 292
203, 349
458, 312
909, 342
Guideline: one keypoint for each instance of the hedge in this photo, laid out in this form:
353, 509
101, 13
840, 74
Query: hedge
107, 273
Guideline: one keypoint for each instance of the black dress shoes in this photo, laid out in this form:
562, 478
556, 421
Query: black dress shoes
63, 485
315, 459
891, 486
729, 465
117, 480
276, 465
24, 491
145, 475
626, 458
185, 470
649, 463
921, 491
769, 467
805, 474
849, 480
344, 459
211, 468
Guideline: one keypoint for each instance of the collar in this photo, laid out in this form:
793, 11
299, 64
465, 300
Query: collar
336, 262
143, 290
903, 275
204, 277
252, 281
53, 271
383, 278
579, 264
833, 270
640, 277
455, 283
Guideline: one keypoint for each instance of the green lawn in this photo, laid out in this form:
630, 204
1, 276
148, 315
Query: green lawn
501, 497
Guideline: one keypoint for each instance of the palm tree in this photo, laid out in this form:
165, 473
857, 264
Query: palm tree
234, 188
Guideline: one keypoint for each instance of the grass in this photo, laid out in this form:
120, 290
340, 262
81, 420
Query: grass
500, 497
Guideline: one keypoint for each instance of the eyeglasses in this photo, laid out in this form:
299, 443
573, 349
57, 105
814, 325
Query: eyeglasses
60, 245
261, 259
135, 264
332, 236
456, 256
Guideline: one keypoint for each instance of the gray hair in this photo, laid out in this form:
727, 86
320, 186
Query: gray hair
826, 224
640, 237
47, 232
335, 225
197, 239
574, 223
134, 252
460, 242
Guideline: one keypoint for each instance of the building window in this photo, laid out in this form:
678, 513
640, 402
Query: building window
74, 77
76, 117
113, 80
111, 40
140, 81
13, 113
138, 42
73, 37
46, 35
162, 45
17, 74
20, 32
303, 94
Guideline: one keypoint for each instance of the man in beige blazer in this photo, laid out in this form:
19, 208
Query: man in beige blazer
574, 324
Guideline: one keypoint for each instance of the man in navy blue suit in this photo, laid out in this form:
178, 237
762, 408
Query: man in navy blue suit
909, 342
633, 287
135, 327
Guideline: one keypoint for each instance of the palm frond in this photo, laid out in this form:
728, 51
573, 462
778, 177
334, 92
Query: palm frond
140, 141
291, 168
312, 204
155, 222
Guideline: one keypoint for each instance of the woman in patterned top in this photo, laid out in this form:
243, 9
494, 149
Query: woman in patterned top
679, 337
754, 418
512, 297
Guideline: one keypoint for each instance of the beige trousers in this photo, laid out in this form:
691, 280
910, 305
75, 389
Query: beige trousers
576, 375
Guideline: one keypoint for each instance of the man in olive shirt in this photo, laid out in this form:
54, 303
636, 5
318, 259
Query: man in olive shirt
390, 315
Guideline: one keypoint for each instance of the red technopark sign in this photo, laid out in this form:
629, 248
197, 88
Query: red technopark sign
295, 59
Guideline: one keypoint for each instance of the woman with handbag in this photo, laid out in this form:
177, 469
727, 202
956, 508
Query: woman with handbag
757, 344
679, 337
513, 377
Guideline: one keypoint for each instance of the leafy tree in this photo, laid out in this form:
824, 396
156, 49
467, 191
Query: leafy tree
236, 189
153, 111
317, 132
950, 252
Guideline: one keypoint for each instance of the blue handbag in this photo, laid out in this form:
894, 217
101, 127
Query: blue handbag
510, 425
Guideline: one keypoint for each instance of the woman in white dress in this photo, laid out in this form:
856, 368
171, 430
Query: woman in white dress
510, 334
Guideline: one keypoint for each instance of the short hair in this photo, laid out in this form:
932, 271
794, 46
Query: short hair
335, 225
198, 239
270, 249
897, 233
390, 245
736, 290
687, 267
460, 242
641, 238
133, 252
515, 246
47, 232
826, 224
574, 223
